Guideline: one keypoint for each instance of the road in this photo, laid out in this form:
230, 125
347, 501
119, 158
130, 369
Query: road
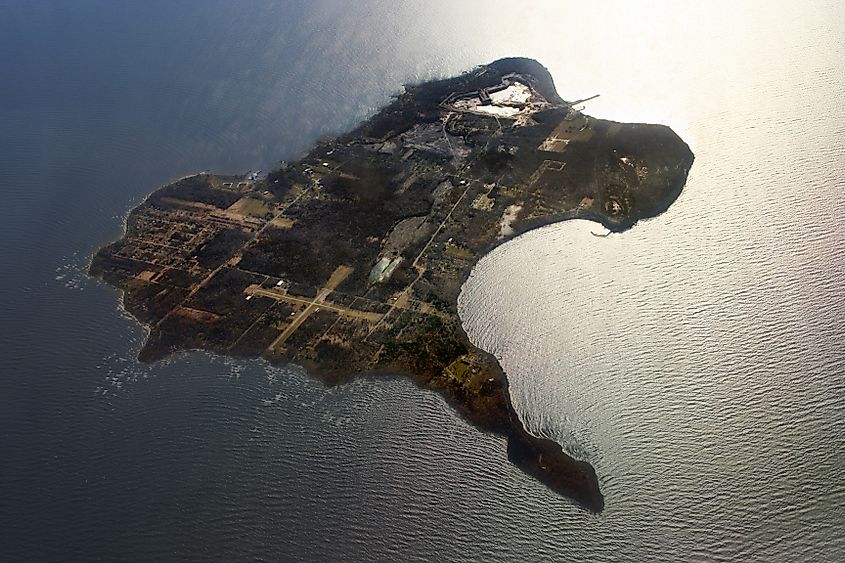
337, 277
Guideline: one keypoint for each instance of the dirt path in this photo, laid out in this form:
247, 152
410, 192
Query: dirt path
337, 277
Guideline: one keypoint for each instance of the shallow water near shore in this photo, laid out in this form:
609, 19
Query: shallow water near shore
696, 360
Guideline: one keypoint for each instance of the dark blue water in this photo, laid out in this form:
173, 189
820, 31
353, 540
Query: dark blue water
205, 458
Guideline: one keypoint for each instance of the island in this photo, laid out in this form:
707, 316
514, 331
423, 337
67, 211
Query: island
350, 260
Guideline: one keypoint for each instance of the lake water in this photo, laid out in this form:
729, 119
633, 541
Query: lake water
697, 361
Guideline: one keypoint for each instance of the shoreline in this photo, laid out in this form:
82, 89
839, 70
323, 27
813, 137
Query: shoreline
523, 446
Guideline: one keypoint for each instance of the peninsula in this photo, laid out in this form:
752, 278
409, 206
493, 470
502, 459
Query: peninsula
349, 261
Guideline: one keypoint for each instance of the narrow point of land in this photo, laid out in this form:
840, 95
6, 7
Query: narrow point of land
350, 260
